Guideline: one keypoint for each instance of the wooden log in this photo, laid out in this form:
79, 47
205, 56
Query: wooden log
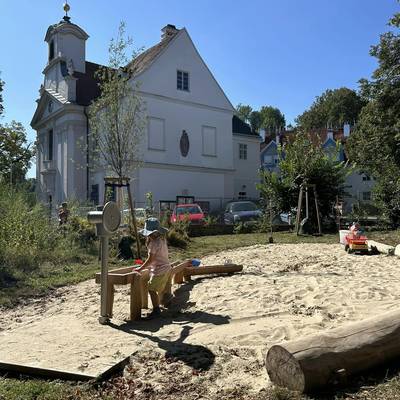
315, 361
213, 269
381, 247
397, 250
136, 298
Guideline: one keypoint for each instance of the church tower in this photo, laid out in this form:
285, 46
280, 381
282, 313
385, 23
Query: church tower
60, 119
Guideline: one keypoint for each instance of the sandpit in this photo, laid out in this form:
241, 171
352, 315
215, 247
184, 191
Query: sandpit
217, 328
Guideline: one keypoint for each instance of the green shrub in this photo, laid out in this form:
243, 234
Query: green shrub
177, 239
80, 231
245, 227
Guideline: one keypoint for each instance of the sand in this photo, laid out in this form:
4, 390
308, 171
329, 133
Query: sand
217, 330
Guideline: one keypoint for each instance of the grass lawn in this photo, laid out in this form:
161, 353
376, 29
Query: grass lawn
83, 267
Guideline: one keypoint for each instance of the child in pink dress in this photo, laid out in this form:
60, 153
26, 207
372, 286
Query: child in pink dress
157, 261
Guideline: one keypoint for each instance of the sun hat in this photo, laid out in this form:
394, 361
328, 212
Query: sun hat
152, 225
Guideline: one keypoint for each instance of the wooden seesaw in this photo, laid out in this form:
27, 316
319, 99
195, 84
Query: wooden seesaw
181, 272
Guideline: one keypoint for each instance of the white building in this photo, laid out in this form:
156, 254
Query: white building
219, 161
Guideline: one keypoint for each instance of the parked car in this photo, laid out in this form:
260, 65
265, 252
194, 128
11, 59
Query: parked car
192, 212
241, 211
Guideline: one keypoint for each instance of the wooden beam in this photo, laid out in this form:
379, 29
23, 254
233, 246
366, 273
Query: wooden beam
213, 269
136, 298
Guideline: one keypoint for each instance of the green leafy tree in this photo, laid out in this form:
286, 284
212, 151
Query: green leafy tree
304, 160
117, 117
333, 108
15, 153
255, 121
272, 119
243, 112
375, 145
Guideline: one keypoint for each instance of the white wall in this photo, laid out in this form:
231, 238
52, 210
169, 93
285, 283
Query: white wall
176, 117
181, 54
246, 171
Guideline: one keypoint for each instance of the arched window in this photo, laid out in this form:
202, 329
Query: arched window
51, 50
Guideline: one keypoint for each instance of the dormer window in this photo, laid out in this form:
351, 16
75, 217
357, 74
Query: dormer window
182, 80
51, 50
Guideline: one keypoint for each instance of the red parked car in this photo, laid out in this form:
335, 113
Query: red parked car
192, 212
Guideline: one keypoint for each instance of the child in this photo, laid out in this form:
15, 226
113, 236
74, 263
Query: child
157, 261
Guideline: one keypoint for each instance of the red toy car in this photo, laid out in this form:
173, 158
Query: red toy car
191, 212
355, 241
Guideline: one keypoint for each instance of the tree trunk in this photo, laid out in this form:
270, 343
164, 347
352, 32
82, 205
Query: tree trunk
381, 247
325, 358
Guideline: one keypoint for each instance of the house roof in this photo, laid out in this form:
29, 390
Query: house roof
239, 126
88, 89
145, 59
87, 86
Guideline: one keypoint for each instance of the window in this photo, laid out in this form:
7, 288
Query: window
182, 80
242, 196
209, 136
366, 196
156, 134
94, 194
243, 151
51, 50
366, 178
50, 145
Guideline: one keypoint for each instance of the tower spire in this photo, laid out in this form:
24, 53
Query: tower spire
66, 8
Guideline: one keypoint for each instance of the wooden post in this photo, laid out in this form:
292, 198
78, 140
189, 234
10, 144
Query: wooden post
136, 298
299, 204
144, 283
317, 210
133, 218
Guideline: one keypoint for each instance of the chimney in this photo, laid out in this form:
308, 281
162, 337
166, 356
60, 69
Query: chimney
168, 31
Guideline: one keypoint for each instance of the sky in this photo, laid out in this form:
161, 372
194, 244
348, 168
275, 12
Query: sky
282, 53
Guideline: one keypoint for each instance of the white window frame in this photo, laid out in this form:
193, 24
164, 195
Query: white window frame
182, 88
242, 151
163, 134
215, 140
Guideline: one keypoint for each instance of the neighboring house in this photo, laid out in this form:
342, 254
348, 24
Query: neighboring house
358, 186
218, 162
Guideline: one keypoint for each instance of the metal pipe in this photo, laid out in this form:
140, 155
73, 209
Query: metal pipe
104, 317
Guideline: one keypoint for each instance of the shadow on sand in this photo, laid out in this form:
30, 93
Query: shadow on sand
196, 356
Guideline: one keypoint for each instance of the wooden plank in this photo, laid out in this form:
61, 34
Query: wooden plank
316, 361
110, 299
213, 269
48, 373
381, 247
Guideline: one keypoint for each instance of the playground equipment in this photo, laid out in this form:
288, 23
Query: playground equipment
304, 225
107, 220
354, 240
181, 272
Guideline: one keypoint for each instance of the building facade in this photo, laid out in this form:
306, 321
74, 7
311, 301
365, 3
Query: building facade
193, 144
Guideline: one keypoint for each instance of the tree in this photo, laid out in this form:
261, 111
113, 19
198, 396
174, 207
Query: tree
243, 112
375, 145
333, 108
304, 160
15, 153
255, 121
117, 117
272, 119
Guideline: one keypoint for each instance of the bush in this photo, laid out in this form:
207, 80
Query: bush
245, 227
177, 239
80, 231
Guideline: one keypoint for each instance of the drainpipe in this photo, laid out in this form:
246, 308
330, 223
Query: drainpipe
87, 153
